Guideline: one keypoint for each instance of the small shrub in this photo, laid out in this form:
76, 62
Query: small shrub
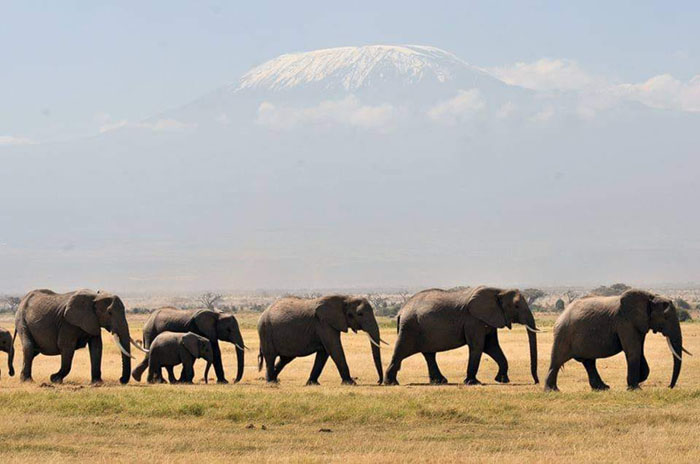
559, 305
684, 315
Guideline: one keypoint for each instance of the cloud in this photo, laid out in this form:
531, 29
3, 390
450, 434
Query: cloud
452, 111
160, 125
346, 112
6, 140
547, 74
543, 116
665, 92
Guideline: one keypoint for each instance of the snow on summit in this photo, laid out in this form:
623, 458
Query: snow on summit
352, 68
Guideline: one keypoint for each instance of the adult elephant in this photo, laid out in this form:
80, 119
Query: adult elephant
212, 325
600, 327
7, 345
53, 324
293, 327
438, 320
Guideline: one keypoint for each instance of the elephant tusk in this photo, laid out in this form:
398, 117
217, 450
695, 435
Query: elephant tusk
371, 340
137, 346
675, 355
687, 352
382, 341
115, 337
531, 329
240, 347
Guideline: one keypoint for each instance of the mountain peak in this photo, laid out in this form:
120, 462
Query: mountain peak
353, 68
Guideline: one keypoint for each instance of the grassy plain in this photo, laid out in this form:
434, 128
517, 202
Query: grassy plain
415, 422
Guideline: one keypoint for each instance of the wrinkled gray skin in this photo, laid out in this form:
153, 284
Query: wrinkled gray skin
437, 320
293, 327
600, 327
170, 349
212, 325
57, 324
7, 345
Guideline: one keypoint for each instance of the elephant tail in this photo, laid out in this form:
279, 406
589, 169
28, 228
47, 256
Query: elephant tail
260, 360
398, 323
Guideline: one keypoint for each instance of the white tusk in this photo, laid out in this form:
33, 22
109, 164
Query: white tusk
373, 342
687, 352
239, 346
138, 347
531, 329
382, 341
116, 340
676, 355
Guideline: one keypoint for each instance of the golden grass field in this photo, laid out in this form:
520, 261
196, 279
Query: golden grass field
414, 422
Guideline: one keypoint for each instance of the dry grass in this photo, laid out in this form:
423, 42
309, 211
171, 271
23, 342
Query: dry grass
411, 423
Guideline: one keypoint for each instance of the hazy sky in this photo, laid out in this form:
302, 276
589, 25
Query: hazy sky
67, 65
597, 184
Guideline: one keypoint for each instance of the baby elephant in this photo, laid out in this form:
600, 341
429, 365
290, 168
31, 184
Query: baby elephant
172, 348
7, 345
600, 327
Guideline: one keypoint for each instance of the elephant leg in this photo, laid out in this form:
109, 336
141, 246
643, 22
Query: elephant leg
319, 363
283, 361
476, 348
29, 352
632, 343
594, 379
403, 349
644, 369
66, 362
270, 374
436, 377
140, 369
171, 374
560, 355
218, 363
331, 342
95, 346
493, 349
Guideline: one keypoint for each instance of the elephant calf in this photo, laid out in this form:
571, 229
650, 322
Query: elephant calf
293, 327
7, 345
600, 327
170, 349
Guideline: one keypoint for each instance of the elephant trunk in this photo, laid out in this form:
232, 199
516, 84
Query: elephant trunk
240, 355
532, 338
124, 340
373, 332
10, 360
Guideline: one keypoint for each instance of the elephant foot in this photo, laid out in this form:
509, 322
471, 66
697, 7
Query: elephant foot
600, 387
392, 382
348, 382
633, 387
551, 388
96, 382
222, 381
136, 377
310, 383
502, 378
26, 379
273, 381
472, 382
438, 381
124, 380
56, 378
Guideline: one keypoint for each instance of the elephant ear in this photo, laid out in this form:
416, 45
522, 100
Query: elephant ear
331, 311
80, 312
484, 304
635, 306
205, 321
191, 343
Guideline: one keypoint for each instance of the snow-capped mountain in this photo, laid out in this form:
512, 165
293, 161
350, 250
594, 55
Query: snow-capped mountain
354, 68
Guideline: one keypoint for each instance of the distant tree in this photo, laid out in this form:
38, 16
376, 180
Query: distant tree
533, 294
559, 305
684, 315
209, 300
404, 295
571, 295
613, 290
11, 303
681, 303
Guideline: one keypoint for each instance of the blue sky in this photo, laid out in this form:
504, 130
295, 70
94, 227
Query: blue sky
67, 64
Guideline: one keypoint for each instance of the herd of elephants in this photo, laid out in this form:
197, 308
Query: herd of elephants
431, 321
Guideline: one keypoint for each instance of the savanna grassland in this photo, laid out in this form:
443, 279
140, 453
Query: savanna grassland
415, 422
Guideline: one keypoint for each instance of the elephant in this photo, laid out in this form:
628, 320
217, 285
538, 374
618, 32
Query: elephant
172, 348
293, 327
212, 325
600, 327
53, 324
437, 320
7, 344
